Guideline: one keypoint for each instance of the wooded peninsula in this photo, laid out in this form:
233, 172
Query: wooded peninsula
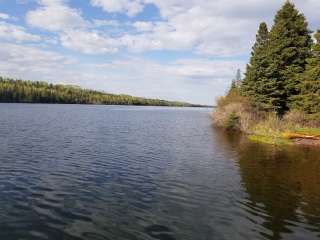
19, 91
278, 101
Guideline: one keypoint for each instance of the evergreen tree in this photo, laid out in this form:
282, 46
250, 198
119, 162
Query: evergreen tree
309, 99
238, 75
238, 80
233, 85
256, 69
289, 46
236, 83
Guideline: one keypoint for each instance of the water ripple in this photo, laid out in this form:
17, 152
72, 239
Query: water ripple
97, 172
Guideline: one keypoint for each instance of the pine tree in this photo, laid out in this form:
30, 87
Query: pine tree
238, 79
289, 46
256, 69
233, 86
236, 83
309, 99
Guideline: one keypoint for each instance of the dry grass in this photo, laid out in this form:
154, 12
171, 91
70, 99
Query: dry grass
294, 135
235, 105
302, 120
273, 126
236, 112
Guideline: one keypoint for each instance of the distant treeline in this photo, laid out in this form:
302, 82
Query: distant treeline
19, 91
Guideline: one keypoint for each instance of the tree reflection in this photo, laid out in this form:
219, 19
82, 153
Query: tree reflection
282, 183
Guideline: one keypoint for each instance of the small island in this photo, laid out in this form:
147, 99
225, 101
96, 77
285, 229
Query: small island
278, 101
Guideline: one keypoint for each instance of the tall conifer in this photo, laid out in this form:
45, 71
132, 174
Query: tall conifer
289, 46
256, 69
309, 99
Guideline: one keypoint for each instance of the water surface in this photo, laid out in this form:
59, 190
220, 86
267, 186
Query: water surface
108, 172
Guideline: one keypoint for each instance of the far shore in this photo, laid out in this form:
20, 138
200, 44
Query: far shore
100, 104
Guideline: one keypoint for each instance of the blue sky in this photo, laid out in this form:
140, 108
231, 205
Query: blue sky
186, 50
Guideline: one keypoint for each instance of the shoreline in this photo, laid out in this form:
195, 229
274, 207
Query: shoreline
293, 137
262, 132
97, 104
274, 140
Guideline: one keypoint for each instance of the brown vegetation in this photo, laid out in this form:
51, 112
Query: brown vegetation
236, 112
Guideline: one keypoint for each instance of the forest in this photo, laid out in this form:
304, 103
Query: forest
280, 91
19, 91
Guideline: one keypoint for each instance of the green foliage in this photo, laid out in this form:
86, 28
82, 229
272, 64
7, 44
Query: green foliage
255, 76
233, 121
238, 76
289, 47
283, 74
236, 84
19, 91
279, 98
233, 96
308, 131
270, 140
309, 99
277, 58
233, 87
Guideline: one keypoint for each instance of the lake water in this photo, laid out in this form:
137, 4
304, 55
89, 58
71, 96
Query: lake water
129, 173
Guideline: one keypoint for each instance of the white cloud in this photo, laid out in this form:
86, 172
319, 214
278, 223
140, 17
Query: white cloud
204, 26
104, 22
4, 16
215, 28
158, 36
203, 68
88, 42
129, 7
201, 80
143, 26
311, 9
195, 80
30, 62
16, 33
188, 25
72, 28
54, 15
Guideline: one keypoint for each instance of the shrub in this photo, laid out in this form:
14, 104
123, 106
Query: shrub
272, 125
301, 119
233, 122
232, 97
236, 112
297, 117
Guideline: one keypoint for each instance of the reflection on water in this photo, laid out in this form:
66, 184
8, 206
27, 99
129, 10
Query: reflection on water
283, 187
140, 173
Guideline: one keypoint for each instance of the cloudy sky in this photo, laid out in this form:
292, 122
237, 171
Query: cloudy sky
187, 50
